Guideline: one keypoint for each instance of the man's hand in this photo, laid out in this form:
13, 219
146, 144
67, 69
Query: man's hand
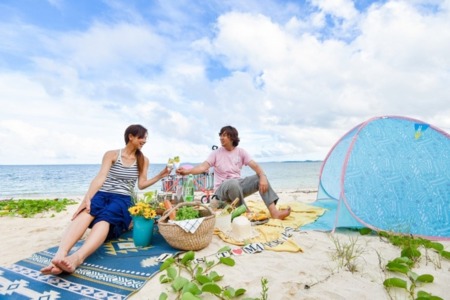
263, 184
181, 171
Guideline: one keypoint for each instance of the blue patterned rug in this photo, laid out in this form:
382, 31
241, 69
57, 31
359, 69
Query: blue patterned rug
114, 271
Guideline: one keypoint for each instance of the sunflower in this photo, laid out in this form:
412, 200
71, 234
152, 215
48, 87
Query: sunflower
142, 209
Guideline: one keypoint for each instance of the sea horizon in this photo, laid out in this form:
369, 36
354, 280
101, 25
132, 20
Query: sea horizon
72, 180
157, 163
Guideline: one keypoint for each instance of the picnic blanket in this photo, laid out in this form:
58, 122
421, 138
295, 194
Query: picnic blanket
116, 270
275, 235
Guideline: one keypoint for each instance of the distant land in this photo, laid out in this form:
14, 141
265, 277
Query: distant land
299, 161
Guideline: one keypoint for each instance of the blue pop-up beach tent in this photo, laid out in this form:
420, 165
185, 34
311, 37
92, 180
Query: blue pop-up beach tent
389, 173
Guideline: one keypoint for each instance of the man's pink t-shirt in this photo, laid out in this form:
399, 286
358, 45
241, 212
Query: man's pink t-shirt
227, 164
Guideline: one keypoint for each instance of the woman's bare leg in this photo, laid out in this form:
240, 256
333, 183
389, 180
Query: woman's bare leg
73, 234
95, 239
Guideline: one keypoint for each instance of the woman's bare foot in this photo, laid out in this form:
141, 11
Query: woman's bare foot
69, 263
280, 214
51, 269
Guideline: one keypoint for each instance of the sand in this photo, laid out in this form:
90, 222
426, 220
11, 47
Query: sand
314, 273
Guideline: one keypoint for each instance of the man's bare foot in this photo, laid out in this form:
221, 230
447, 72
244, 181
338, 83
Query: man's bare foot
281, 214
69, 263
51, 269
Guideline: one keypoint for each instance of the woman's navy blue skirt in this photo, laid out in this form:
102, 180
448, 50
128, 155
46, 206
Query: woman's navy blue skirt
112, 208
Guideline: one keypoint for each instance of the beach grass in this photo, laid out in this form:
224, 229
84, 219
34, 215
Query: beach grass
347, 254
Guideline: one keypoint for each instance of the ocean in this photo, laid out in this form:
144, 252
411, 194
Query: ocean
65, 181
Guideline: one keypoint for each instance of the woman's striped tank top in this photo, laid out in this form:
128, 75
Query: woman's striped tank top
121, 179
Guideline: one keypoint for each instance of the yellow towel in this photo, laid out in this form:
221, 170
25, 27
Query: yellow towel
271, 234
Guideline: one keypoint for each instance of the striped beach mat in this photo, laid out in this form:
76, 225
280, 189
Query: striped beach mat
115, 271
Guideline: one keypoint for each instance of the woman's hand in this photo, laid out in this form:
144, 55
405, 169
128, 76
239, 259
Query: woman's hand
165, 172
84, 205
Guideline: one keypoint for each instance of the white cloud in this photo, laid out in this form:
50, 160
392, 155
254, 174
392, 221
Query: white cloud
339, 8
120, 45
292, 85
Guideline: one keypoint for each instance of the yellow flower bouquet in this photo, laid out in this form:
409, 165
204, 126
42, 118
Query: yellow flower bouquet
144, 213
142, 209
148, 207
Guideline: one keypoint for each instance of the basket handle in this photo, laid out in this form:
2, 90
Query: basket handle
194, 203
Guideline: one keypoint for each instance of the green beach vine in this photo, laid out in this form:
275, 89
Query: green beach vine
189, 278
28, 208
404, 264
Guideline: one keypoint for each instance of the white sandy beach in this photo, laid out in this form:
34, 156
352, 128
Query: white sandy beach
311, 274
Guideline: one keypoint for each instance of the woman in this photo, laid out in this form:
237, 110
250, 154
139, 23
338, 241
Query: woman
104, 208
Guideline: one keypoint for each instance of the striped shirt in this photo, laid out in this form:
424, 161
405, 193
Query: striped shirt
121, 179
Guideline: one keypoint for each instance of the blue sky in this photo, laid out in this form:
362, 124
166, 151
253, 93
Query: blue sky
291, 76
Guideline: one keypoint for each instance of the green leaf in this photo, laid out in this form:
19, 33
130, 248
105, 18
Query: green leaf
214, 276
365, 231
412, 275
395, 282
199, 270
211, 288
445, 254
172, 272
229, 293
192, 288
167, 263
227, 261
190, 255
164, 279
179, 283
189, 296
425, 278
396, 267
202, 279
396, 240
436, 246
384, 234
423, 294
240, 292
163, 296
403, 260
224, 249
411, 252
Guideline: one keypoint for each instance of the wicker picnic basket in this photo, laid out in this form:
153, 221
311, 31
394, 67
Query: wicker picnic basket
180, 239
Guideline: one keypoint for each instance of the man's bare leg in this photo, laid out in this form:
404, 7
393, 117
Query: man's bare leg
278, 214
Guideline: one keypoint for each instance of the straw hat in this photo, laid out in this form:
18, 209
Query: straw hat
241, 229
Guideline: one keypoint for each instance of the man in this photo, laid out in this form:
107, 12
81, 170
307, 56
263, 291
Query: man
228, 161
